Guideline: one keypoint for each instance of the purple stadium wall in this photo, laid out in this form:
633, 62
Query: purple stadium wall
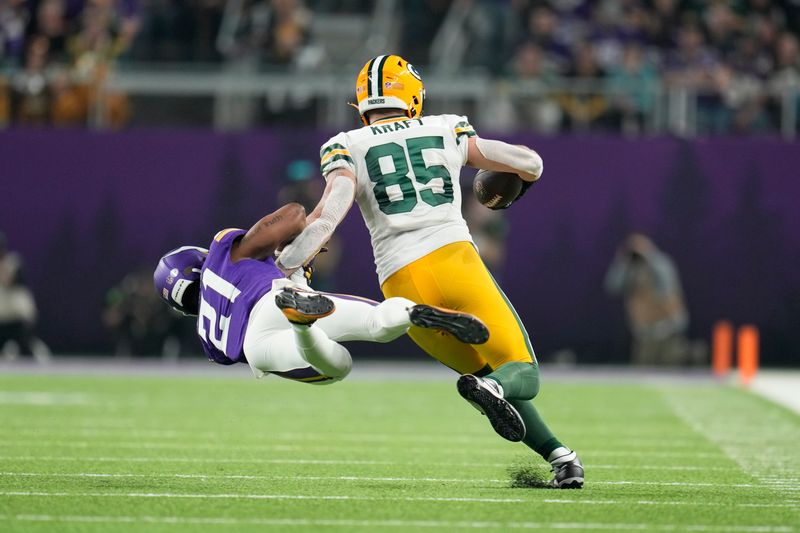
84, 208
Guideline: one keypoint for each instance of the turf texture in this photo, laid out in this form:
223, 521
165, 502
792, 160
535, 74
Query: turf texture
232, 454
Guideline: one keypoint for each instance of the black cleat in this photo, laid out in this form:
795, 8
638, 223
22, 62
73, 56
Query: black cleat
304, 308
567, 472
487, 397
465, 327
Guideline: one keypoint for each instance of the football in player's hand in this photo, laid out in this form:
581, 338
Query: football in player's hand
496, 190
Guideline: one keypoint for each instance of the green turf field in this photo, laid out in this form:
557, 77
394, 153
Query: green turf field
232, 454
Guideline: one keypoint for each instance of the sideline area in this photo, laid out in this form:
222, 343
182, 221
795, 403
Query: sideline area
781, 386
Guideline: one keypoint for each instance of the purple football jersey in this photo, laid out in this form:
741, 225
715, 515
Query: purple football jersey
228, 292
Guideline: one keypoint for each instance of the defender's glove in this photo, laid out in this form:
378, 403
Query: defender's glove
308, 268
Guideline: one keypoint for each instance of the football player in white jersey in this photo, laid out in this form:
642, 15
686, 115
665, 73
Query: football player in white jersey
403, 171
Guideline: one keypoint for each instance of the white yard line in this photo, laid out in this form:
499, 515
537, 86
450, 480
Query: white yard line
611, 483
160, 445
672, 503
227, 496
398, 523
44, 398
393, 479
226, 460
632, 440
253, 477
198, 460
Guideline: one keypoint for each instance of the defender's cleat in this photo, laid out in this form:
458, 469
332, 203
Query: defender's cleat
303, 308
466, 328
567, 472
487, 397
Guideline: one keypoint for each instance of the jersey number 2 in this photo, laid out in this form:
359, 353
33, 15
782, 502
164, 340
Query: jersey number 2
399, 178
217, 334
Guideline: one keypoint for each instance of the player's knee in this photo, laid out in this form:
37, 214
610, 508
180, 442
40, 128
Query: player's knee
344, 369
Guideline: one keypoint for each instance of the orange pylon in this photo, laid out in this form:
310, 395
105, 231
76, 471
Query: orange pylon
747, 350
722, 348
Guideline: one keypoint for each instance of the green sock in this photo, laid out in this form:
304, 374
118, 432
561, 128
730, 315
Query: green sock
538, 436
520, 381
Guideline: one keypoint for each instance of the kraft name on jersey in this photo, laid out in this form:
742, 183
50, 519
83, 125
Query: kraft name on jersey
395, 126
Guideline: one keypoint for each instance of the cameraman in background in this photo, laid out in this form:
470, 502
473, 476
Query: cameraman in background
648, 281
17, 310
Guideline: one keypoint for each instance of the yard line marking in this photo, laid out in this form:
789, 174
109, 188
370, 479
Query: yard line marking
399, 523
360, 478
202, 460
373, 478
671, 503
677, 484
43, 398
634, 440
249, 476
225, 496
151, 445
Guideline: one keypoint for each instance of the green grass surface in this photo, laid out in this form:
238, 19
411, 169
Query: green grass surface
170, 454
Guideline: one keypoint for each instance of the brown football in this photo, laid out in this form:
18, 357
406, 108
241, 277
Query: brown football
496, 190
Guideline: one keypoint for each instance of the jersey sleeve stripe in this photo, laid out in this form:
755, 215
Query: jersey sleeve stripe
218, 237
338, 151
332, 146
323, 168
315, 379
461, 135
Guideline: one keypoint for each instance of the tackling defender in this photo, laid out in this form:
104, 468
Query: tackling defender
242, 302
403, 171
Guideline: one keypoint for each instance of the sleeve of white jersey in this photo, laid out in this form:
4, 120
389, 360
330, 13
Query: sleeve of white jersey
335, 154
462, 130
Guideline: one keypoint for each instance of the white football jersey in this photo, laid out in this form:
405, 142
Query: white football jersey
407, 173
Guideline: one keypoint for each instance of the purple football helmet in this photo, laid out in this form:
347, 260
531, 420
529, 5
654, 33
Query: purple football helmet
177, 276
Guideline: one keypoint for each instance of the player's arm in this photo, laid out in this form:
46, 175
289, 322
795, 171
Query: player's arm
271, 233
323, 220
489, 154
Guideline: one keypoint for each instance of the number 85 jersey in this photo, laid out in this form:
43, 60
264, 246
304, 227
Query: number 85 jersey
407, 173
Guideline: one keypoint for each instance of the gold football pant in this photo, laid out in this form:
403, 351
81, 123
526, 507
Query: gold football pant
455, 277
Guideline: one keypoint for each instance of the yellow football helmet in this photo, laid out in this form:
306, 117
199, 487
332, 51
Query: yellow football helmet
390, 82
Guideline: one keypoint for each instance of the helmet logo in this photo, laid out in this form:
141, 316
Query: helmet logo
372, 101
412, 69
172, 275
165, 294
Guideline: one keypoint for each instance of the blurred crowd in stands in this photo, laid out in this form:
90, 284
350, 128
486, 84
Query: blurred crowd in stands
55, 54
740, 56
